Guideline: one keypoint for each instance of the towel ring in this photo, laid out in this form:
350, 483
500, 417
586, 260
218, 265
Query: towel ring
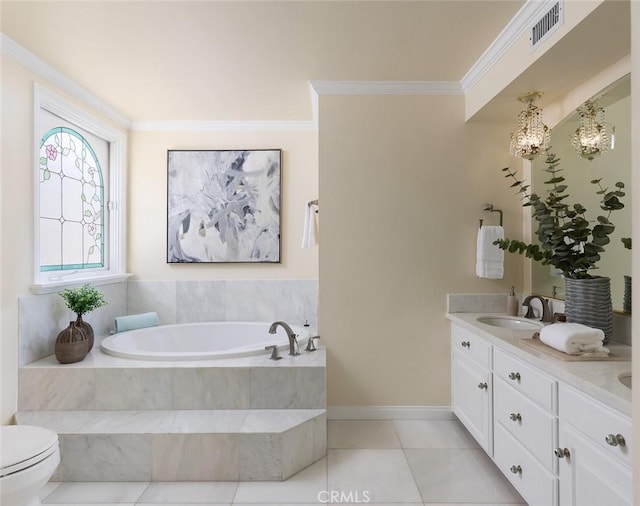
490, 208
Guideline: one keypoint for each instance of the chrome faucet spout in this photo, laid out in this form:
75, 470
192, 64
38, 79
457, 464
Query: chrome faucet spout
293, 342
546, 310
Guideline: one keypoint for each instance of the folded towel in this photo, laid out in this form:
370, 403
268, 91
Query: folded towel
310, 233
573, 338
490, 258
136, 321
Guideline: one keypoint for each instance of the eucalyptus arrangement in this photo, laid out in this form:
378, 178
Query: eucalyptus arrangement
567, 239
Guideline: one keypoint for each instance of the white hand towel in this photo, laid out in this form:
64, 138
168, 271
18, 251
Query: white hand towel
490, 258
573, 338
310, 232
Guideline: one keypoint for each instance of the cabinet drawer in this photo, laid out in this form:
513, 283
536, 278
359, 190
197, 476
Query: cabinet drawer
534, 427
598, 423
534, 384
472, 345
529, 477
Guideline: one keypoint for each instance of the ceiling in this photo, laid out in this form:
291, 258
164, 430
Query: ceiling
244, 61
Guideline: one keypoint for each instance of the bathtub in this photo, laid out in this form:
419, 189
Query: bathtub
200, 341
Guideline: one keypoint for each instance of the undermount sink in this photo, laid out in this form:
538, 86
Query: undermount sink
625, 379
506, 322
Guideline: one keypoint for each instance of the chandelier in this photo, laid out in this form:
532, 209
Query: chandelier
531, 136
594, 136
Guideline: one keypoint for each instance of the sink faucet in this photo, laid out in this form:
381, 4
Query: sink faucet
546, 310
293, 343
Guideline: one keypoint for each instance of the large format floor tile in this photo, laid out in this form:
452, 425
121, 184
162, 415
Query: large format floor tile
383, 475
94, 492
453, 475
362, 434
189, 492
302, 487
434, 434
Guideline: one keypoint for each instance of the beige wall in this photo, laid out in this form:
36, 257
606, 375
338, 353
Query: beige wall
635, 173
402, 183
147, 203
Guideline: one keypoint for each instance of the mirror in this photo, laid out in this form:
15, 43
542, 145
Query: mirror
612, 166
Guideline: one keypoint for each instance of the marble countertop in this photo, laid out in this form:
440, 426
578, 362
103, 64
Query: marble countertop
598, 379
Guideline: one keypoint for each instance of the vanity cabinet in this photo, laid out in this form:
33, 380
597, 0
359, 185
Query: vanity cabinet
525, 428
471, 385
594, 452
555, 443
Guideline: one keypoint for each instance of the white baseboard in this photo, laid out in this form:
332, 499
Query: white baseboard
390, 413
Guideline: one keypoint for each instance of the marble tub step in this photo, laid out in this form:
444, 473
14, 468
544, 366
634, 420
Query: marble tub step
184, 445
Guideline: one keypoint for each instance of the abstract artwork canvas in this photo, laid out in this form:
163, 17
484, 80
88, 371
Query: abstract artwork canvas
223, 206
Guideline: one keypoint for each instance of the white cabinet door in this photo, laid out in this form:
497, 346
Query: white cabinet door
472, 392
589, 477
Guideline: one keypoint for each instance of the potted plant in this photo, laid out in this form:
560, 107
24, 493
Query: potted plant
80, 300
571, 242
626, 302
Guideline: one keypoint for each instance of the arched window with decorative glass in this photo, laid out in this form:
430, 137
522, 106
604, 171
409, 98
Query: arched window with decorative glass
79, 197
72, 193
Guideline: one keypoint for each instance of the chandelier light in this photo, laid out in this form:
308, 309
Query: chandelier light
594, 136
531, 136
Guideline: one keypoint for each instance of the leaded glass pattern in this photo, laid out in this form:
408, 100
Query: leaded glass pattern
71, 203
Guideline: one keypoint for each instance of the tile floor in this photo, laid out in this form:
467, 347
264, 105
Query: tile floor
400, 462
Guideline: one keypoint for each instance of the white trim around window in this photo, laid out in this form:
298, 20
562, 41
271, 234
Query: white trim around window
115, 264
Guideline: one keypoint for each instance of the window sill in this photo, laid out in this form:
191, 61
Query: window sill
56, 286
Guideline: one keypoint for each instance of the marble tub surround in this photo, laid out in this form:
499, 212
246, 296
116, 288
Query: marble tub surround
294, 301
104, 382
598, 379
42, 316
197, 445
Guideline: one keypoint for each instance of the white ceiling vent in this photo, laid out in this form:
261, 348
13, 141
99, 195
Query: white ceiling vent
547, 24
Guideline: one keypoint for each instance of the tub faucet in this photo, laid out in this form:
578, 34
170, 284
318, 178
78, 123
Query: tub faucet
546, 311
293, 343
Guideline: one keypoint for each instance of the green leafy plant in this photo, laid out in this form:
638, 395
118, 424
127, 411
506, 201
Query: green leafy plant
567, 239
83, 299
626, 242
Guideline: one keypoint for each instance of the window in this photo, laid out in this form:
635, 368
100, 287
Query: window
78, 196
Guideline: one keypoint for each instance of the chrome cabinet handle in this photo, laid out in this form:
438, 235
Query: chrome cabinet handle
516, 469
515, 376
562, 452
516, 417
466, 344
483, 386
615, 440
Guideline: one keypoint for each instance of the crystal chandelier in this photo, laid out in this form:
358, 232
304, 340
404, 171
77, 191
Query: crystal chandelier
531, 137
594, 136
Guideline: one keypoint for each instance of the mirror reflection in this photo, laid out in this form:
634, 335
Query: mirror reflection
612, 166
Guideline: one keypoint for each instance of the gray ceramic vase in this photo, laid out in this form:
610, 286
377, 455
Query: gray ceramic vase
588, 301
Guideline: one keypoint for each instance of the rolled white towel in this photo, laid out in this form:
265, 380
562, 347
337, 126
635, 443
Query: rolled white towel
573, 338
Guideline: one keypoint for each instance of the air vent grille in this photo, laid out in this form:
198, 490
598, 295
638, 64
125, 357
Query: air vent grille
547, 24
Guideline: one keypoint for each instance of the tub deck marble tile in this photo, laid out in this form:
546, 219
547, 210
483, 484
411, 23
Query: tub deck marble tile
158, 445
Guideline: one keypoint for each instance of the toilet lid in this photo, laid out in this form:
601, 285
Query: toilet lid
22, 446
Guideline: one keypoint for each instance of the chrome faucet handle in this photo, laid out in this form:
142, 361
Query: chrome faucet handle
274, 352
311, 346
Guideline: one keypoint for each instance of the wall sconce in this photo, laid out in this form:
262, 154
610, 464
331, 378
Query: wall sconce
594, 136
531, 136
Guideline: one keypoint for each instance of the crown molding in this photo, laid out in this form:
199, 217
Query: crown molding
30, 61
223, 126
528, 13
387, 87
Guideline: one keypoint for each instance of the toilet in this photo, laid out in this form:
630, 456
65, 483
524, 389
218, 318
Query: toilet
29, 456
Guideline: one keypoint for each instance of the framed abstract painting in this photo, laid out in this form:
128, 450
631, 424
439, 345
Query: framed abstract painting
223, 206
